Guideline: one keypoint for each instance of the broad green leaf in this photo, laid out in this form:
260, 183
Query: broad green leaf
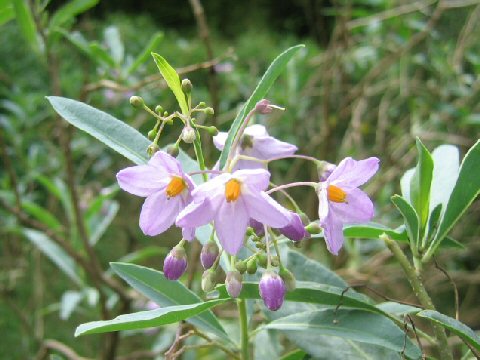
114, 44
357, 325
164, 292
68, 11
145, 54
41, 214
420, 184
405, 182
112, 132
173, 81
7, 12
267, 345
397, 308
26, 23
373, 231
274, 70
446, 159
465, 191
147, 319
101, 55
55, 253
410, 216
433, 222
455, 326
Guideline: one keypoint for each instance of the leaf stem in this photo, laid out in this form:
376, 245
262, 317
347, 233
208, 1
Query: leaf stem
242, 317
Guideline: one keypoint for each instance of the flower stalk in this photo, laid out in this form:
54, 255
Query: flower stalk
242, 318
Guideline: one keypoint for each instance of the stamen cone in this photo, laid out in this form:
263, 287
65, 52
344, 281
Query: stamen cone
336, 194
175, 186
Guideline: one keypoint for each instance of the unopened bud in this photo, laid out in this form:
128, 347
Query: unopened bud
233, 283
275, 261
159, 109
252, 265
324, 169
241, 266
151, 134
209, 111
209, 280
137, 102
313, 228
173, 150
272, 290
262, 260
212, 130
188, 134
187, 86
265, 107
202, 104
209, 254
175, 263
288, 278
152, 149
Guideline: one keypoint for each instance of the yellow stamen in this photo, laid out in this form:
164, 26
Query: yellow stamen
336, 194
232, 190
175, 186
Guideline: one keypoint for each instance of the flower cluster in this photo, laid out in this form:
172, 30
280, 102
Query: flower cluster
237, 202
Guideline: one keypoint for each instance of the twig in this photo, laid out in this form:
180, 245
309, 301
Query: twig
55, 345
455, 290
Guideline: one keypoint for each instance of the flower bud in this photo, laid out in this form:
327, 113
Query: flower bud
159, 109
209, 254
209, 280
241, 266
187, 86
137, 102
272, 290
188, 135
173, 150
175, 263
152, 149
212, 130
265, 107
313, 228
262, 260
324, 169
209, 111
295, 230
252, 265
257, 227
288, 278
274, 261
233, 283
202, 104
151, 134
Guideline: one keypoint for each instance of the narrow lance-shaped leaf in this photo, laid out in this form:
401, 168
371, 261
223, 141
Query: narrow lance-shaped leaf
274, 70
27, 24
410, 216
69, 11
173, 81
145, 54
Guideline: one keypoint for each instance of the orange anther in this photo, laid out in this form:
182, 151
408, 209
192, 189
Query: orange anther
175, 186
232, 190
336, 194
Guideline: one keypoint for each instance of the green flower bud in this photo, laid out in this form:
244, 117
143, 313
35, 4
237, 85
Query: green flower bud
202, 104
275, 261
152, 149
252, 265
313, 228
241, 266
209, 280
212, 130
159, 109
188, 135
187, 86
209, 111
262, 260
151, 134
288, 278
137, 102
173, 150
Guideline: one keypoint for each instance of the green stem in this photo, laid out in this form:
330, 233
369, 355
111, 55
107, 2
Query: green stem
242, 316
421, 293
197, 145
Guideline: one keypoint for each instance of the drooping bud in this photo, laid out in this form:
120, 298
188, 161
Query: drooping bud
252, 265
257, 227
272, 290
209, 111
262, 260
188, 134
151, 134
212, 130
209, 280
152, 149
187, 86
209, 254
202, 104
175, 263
288, 278
265, 107
137, 102
295, 230
173, 150
313, 228
233, 283
241, 266
159, 109
324, 170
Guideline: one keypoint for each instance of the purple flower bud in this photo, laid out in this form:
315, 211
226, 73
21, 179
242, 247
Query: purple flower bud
233, 283
208, 255
272, 290
257, 227
325, 169
175, 263
295, 230
263, 107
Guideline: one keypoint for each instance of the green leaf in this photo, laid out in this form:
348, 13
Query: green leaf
99, 224
164, 292
446, 159
7, 12
145, 54
57, 188
397, 308
405, 182
410, 216
68, 11
112, 132
455, 326
274, 70
101, 55
26, 22
356, 325
420, 184
465, 191
173, 81
77, 39
294, 355
372, 231
54, 253
147, 319
41, 214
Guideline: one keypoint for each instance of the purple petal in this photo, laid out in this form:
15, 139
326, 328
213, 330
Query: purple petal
163, 161
231, 224
159, 213
249, 164
257, 227
323, 209
219, 140
268, 148
188, 233
256, 130
142, 180
351, 173
264, 209
197, 213
295, 230
333, 233
272, 290
212, 187
254, 179
358, 208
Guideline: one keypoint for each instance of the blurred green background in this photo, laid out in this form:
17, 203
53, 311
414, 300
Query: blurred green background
373, 75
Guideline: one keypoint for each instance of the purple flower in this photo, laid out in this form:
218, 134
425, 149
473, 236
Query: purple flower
167, 190
233, 283
208, 254
341, 202
272, 290
256, 143
231, 200
295, 230
175, 263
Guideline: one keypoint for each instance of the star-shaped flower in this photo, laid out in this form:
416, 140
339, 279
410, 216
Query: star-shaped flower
230, 200
341, 202
167, 190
